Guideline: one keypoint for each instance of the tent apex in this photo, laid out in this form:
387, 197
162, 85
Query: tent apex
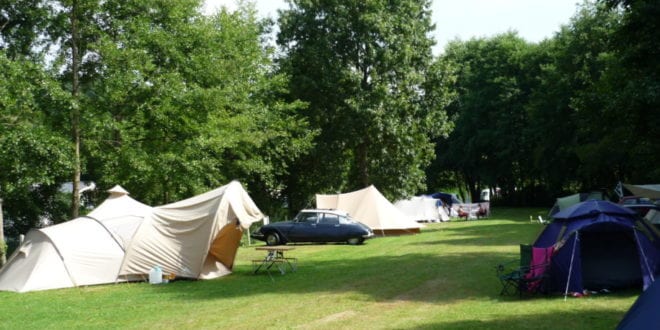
117, 190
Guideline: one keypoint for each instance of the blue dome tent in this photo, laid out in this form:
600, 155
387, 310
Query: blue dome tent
643, 313
600, 245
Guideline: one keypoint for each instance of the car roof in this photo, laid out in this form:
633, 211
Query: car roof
332, 211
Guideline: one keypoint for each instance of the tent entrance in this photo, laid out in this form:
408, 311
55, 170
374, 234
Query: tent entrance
610, 259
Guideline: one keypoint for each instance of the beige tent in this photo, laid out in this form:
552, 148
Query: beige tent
84, 251
370, 207
195, 238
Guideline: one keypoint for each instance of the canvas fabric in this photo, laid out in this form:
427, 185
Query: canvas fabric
178, 237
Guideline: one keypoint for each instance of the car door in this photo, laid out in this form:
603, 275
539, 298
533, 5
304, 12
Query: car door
329, 229
304, 227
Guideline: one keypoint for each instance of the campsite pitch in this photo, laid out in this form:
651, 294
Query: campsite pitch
443, 278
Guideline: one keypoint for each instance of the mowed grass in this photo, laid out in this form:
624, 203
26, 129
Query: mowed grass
443, 278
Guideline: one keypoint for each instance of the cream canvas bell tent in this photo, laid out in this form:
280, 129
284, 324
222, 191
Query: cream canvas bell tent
370, 207
194, 238
84, 251
124, 239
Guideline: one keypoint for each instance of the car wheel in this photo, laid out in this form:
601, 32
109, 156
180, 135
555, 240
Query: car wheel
272, 239
355, 240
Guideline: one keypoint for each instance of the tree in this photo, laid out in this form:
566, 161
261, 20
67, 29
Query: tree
361, 66
487, 146
34, 160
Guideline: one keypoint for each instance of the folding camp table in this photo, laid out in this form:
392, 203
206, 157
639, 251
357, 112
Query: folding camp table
274, 257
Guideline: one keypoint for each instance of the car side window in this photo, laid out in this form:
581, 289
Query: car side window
330, 219
307, 217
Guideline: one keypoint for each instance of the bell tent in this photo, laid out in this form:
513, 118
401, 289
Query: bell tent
194, 238
370, 207
600, 245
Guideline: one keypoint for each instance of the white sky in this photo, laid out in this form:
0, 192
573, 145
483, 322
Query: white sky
534, 20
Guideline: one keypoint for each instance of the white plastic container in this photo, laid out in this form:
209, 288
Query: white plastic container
156, 275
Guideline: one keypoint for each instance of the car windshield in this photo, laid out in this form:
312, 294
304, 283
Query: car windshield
346, 220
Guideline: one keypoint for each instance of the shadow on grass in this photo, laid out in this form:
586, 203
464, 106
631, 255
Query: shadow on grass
486, 233
585, 319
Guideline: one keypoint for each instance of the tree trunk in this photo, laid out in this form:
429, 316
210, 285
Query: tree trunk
363, 164
3, 257
75, 110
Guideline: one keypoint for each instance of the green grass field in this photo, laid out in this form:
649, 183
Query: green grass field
443, 278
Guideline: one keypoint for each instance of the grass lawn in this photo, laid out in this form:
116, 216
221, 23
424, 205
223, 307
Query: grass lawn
443, 278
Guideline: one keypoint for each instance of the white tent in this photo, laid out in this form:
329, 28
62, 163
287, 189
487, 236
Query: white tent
123, 239
370, 207
422, 209
84, 251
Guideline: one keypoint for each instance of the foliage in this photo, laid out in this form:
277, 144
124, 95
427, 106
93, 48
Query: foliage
191, 99
170, 103
34, 159
569, 114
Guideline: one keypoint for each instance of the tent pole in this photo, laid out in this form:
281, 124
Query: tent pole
646, 262
570, 268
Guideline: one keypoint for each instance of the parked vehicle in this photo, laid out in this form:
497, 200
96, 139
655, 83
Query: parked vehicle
315, 225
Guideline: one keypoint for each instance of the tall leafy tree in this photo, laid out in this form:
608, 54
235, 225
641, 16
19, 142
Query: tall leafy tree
487, 146
361, 66
566, 107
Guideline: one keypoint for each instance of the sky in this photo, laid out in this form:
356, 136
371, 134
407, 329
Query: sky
534, 20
